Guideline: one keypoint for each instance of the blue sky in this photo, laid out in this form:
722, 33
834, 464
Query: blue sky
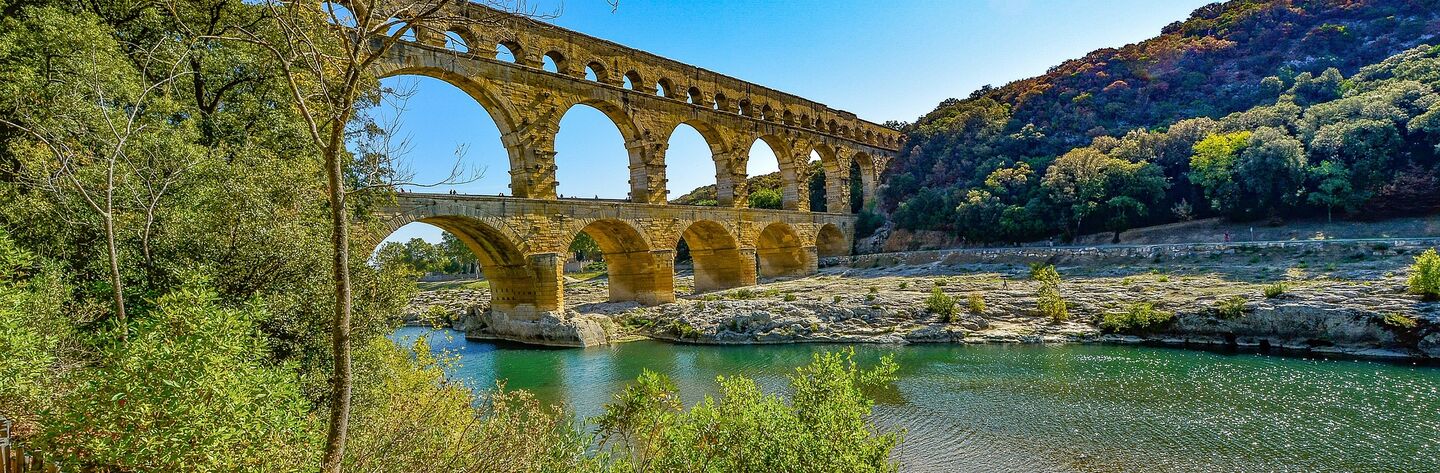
883, 60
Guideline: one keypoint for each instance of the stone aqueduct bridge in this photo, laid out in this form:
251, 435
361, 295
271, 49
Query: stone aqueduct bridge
522, 244
522, 241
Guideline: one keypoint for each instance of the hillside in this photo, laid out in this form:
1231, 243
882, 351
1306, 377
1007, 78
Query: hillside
765, 191
1121, 125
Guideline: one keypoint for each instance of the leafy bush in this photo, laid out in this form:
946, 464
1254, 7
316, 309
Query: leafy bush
977, 303
1138, 317
1231, 308
1051, 305
904, 285
789, 297
597, 266
940, 303
1275, 290
823, 426
1425, 275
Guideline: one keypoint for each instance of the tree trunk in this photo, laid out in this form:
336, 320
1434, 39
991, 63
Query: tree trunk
340, 383
117, 288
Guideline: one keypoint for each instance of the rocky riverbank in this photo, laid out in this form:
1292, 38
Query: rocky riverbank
1355, 305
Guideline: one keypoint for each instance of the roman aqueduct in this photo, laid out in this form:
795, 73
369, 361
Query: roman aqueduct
522, 241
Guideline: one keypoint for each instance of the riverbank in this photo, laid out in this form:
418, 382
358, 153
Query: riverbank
1346, 300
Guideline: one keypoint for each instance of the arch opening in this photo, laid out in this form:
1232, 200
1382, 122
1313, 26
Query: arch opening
553, 61
634, 272
774, 180
745, 108
690, 163
486, 257
469, 142
816, 182
596, 72
455, 41
715, 256
633, 81
721, 103
508, 51
665, 88
402, 28
694, 96
830, 242
780, 253
591, 159
862, 181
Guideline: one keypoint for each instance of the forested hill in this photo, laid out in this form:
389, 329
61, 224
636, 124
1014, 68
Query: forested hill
985, 162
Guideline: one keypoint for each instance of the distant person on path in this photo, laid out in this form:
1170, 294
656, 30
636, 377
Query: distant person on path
1227, 237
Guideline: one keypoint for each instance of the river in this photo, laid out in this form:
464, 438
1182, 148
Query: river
1067, 408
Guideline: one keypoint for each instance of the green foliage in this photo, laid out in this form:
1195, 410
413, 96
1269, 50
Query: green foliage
1425, 275
1050, 303
766, 199
189, 391
822, 427
1231, 307
977, 303
904, 285
1275, 290
790, 297
1138, 317
585, 248
1213, 167
1155, 102
941, 304
408, 412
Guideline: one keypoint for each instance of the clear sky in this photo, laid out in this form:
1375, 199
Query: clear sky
883, 60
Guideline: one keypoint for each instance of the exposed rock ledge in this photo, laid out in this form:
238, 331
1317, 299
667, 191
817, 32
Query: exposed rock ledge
1339, 309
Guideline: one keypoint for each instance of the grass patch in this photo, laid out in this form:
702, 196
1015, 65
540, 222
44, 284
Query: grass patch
1231, 307
977, 303
1399, 321
1275, 290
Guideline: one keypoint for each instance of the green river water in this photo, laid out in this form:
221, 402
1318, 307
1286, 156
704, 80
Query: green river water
1034, 408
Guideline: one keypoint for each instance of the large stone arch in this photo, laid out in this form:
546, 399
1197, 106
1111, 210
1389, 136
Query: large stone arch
640, 173
781, 252
790, 173
727, 186
719, 261
522, 285
501, 112
636, 271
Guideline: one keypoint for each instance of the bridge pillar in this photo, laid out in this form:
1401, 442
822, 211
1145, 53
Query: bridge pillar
797, 193
647, 172
532, 162
647, 277
791, 261
723, 268
731, 188
837, 189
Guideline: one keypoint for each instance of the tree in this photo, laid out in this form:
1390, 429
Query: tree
459, 257
94, 121
324, 54
1271, 171
1212, 167
584, 247
1332, 188
765, 199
